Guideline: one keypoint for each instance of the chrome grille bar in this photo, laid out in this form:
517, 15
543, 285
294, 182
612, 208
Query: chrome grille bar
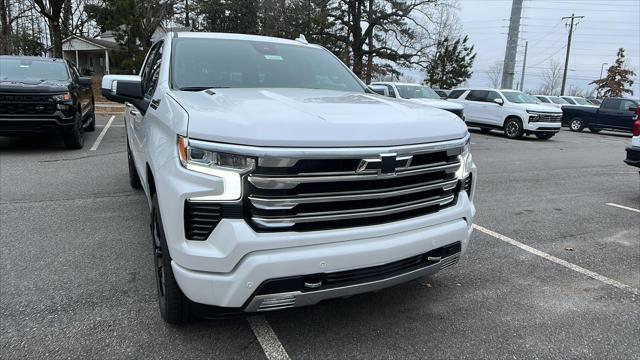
278, 182
289, 203
280, 222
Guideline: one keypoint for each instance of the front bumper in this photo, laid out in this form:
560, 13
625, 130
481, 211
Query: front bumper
633, 156
25, 125
543, 127
225, 269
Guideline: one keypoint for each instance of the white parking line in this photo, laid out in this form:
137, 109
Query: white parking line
623, 207
104, 131
559, 261
267, 338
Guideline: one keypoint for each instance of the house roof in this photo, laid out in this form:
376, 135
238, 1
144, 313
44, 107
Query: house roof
103, 44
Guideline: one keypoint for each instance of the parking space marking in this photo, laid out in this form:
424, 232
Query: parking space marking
267, 338
623, 207
559, 261
104, 131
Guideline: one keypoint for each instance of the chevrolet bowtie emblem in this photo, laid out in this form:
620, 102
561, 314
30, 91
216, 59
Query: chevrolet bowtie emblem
384, 164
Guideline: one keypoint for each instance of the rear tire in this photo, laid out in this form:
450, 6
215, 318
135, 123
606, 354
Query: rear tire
134, 178
576, 124
74, 139
544, 136
513, 128
175, 308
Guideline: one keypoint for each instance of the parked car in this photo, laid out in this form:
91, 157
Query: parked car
444, 94
45, 95
578, 100
276, 179
633, 151
514, 112
594, 101
614, 113
420, 94
554, 101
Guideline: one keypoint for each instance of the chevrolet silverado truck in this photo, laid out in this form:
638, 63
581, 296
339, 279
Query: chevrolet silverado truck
276, 179
45, 96
613, 113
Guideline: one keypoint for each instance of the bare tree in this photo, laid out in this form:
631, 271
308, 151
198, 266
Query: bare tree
551, 78
495, 74
51, 10
576, 91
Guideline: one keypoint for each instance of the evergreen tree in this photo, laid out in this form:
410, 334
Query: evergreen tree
618, 77
451, 64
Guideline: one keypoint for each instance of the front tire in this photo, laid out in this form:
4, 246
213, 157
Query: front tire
175, 308
576, 124
74, 139
544, 136
513, 128
91, 125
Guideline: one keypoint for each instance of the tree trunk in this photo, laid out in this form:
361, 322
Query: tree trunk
56, 38
5, 34
370, 45
187, 23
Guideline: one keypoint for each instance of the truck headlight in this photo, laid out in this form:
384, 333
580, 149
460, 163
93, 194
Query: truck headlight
533, 116
466, 161
62, 97
227, 166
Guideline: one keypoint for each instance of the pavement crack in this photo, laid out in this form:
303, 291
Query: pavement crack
82, 197
81, 157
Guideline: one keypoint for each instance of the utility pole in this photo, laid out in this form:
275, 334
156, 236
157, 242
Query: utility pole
524, 64
509, 65
566, 60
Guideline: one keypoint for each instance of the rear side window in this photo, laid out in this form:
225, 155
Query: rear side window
454, 94
392, 92
569, 100
610, 104
478, 95
625, 105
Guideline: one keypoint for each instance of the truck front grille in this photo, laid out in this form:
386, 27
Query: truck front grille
286, 194
552, 118
14, 104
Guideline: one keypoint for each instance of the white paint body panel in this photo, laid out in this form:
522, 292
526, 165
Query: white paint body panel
224, 269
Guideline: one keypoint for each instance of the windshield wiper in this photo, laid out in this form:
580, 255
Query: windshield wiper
200, 88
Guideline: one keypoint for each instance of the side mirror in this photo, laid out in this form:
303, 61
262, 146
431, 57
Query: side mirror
84, 81
121, 88
382, 90
498, 101
633, 109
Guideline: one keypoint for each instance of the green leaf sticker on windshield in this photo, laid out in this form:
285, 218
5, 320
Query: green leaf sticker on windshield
273, 57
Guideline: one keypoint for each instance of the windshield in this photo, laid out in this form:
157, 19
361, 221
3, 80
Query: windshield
581, 101
518, 97
209, 63
416, 92
558, 100
28, 69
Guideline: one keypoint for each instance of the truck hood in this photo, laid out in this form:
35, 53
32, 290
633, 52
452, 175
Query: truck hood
439, 103
539, 107
313, 118
33, 86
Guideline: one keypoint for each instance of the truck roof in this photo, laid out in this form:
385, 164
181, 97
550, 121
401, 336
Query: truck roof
38, 58
229, 36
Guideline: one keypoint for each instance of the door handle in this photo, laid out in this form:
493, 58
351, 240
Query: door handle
134, 112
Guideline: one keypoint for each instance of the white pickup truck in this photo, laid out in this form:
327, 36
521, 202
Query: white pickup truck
514, 112
275, 179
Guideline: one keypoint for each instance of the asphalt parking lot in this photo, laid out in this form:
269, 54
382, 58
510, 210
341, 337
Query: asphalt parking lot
76, 278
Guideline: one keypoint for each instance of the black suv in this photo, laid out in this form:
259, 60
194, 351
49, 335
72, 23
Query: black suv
44, 95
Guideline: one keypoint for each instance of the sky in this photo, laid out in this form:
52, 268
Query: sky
607, 25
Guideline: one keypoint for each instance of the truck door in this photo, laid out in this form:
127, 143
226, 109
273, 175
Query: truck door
474, 106
607, 114
624, 117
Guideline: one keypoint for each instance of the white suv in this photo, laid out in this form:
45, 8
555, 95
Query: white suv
514, 112
276, 179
